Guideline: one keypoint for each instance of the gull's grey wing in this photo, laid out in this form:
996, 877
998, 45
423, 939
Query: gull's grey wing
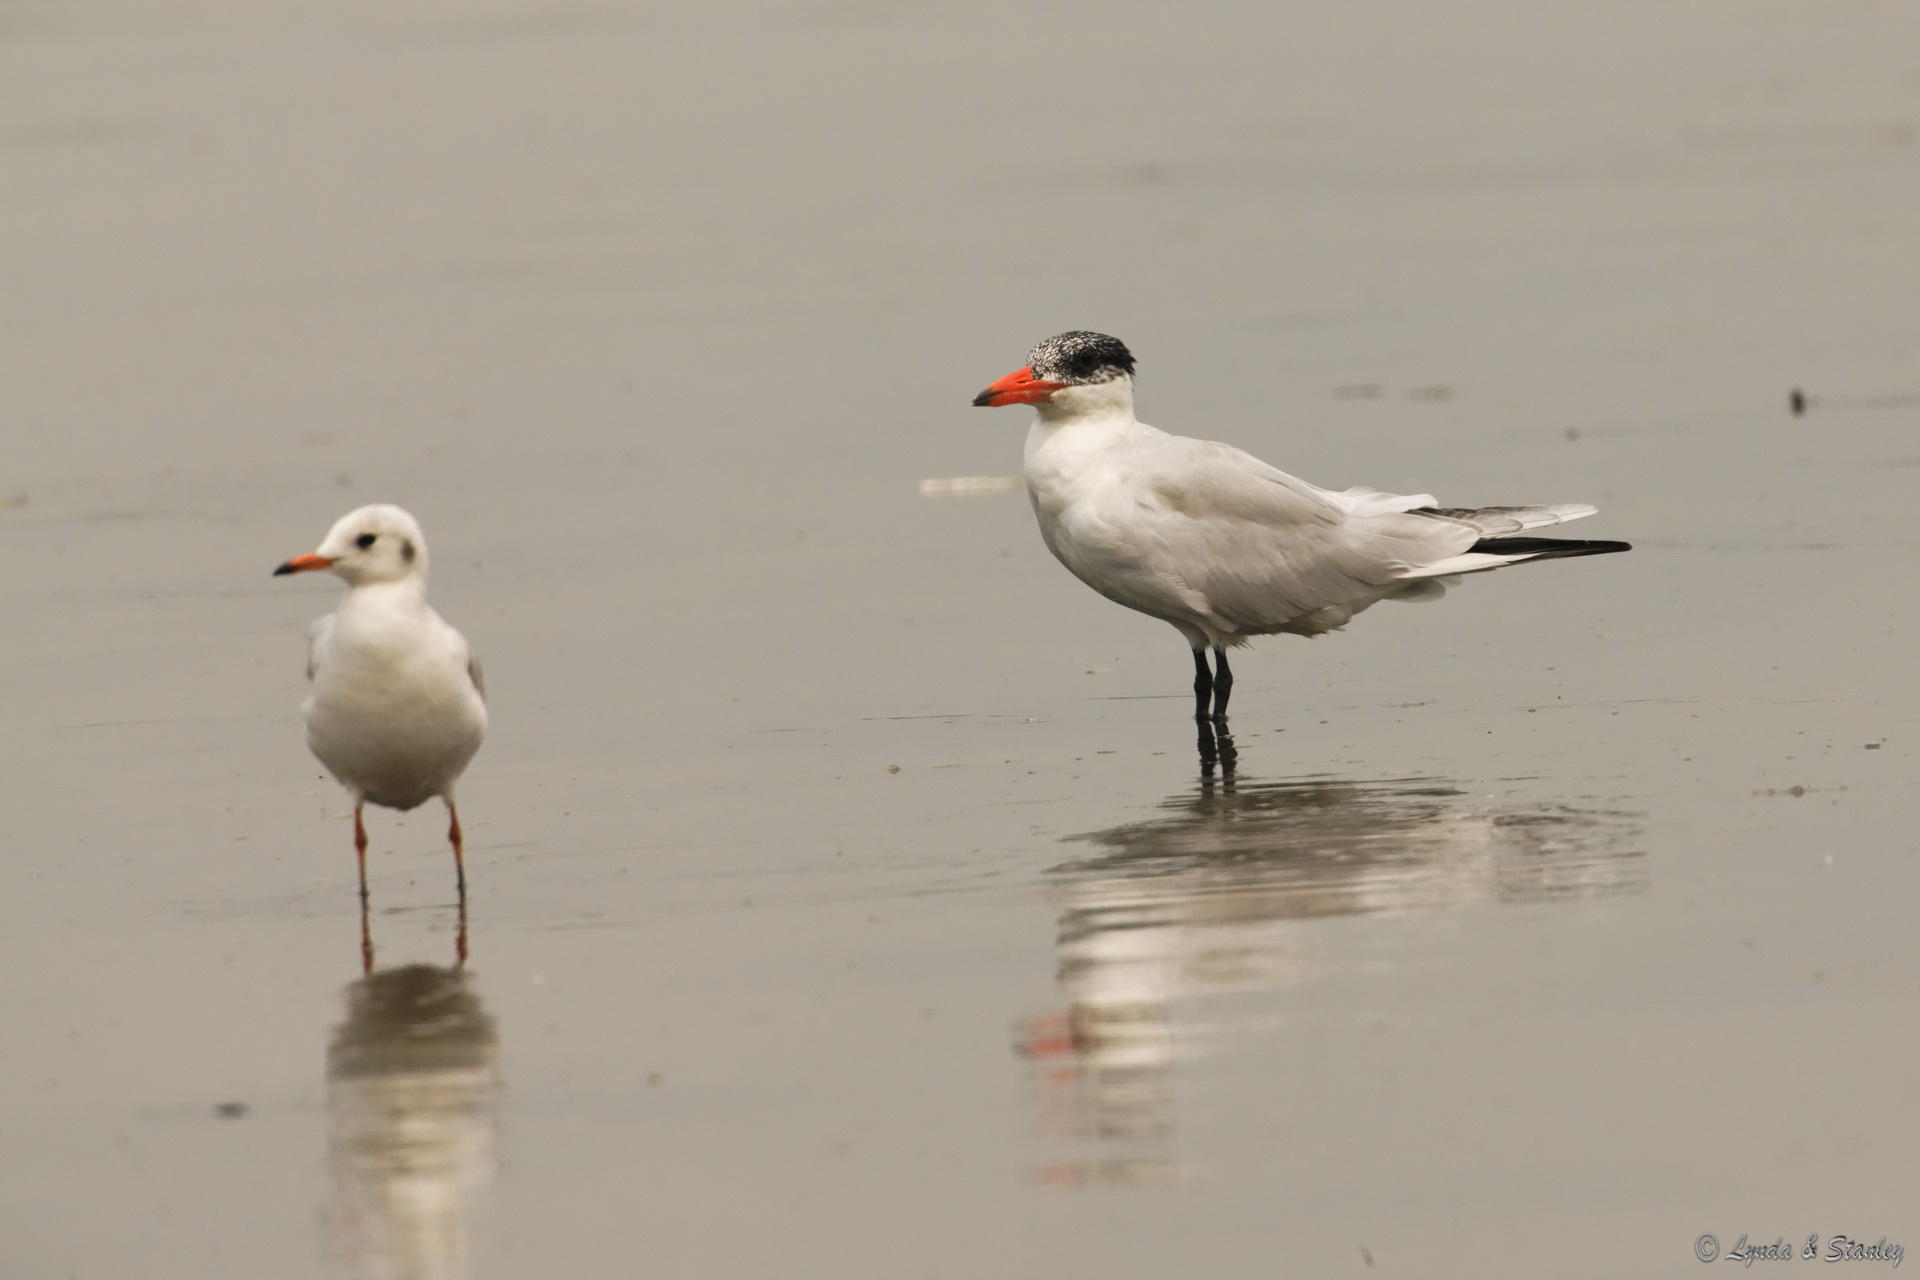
479, 681
318, 634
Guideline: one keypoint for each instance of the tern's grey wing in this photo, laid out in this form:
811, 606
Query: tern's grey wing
1268, 550
1504, 522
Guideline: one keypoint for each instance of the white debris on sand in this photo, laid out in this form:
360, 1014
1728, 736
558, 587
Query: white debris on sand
968, 486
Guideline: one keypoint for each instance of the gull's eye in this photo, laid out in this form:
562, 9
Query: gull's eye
365, 540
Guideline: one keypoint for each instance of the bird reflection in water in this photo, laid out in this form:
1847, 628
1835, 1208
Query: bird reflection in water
412, 1079
459, 934
1200, 900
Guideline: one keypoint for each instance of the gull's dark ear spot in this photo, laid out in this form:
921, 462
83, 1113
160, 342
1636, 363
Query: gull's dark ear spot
407, 552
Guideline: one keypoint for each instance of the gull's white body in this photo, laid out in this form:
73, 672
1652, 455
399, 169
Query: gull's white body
1224, 547
396, 712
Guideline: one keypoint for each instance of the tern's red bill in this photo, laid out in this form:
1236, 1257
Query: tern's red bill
1018, 387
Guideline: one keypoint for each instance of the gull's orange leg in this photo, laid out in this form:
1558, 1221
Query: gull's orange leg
360, 847
459, 861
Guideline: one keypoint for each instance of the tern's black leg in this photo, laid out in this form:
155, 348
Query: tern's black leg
1202, 684
1216, 748
1222, 684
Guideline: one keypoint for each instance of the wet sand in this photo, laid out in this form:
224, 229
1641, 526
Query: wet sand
848, 896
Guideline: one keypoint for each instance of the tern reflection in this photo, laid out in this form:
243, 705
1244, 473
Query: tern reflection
1203, 898
412, 1077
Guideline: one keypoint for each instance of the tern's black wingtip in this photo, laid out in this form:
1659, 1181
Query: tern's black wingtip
1548, 548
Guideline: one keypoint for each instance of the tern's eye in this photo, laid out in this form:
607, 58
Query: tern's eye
365, 540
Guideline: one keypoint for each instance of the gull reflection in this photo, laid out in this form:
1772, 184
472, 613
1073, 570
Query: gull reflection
366, 935
1202, 899
412, 1079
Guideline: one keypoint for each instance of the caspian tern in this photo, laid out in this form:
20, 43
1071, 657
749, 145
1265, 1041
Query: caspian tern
1215, 541
398, 707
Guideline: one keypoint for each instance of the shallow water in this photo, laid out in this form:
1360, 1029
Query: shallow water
848, 894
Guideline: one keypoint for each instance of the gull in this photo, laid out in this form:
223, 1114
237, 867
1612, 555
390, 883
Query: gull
397, 707
1216, 542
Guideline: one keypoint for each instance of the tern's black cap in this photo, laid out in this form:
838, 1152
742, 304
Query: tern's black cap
1079, 357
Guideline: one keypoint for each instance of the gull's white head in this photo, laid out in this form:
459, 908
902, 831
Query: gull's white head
1070, 375
381, 543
